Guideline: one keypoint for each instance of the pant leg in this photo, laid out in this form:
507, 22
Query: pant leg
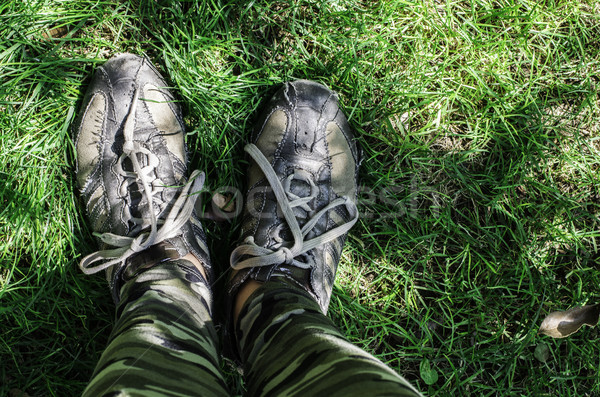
164, 342
290, 348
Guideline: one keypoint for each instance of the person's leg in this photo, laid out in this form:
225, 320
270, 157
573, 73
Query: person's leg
301, 203
289, 347
164, 341
131, 171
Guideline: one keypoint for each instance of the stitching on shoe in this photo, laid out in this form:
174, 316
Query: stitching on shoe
284, 139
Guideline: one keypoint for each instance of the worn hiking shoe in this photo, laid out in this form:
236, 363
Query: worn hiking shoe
131, 166
301, 198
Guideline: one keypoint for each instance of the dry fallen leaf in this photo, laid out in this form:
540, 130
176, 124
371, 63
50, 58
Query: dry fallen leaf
56, 33
562, 324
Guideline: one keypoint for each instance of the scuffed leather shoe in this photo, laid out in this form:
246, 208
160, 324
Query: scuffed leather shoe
131, 166
302, 188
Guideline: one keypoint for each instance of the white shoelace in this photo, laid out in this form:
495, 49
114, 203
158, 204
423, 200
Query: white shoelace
286, 200
179, 214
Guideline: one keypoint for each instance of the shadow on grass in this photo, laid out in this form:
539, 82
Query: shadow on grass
487, 241
55, 321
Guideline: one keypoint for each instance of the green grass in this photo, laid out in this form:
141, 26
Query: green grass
479, 123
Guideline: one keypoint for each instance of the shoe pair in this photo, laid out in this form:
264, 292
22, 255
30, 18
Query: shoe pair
131, 170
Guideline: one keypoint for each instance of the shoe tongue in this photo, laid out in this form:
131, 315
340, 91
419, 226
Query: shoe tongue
300, 188
137, 200
159, 179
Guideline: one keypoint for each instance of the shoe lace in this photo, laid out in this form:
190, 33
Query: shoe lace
178, 215
287, 201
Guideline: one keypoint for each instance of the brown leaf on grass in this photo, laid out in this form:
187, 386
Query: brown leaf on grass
562, 324
56, 33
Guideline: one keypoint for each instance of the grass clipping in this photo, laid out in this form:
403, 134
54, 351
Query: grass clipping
561, 324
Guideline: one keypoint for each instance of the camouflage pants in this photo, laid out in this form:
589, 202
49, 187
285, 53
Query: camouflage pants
165, 344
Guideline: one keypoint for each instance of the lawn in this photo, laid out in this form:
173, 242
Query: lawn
479, 123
